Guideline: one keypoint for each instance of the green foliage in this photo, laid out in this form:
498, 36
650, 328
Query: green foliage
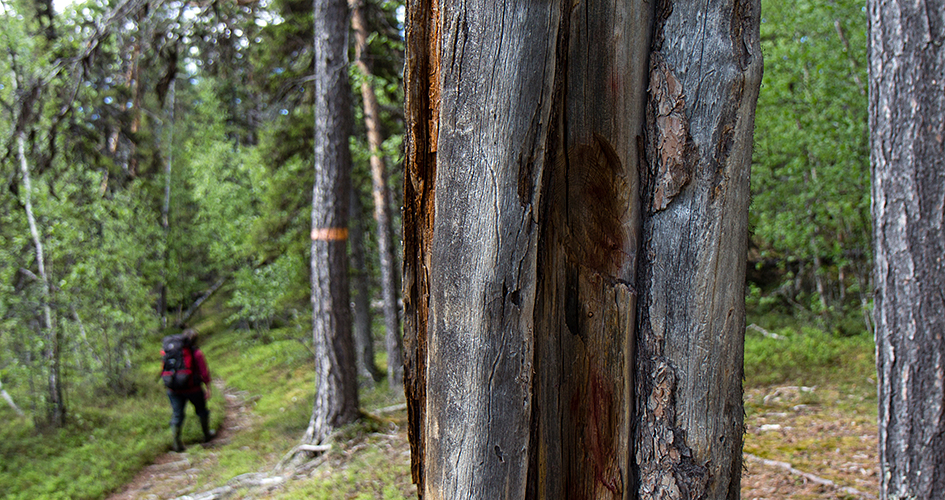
803, 355
103, 447
810, 174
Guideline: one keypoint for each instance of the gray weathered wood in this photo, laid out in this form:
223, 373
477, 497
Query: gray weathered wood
706, 71
522, 235
907, 124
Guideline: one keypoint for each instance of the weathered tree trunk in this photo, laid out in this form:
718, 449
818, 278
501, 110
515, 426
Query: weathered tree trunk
907, 123
361, 299
55, 405
700, 120
336, 384
421, 89
522, 216
382, 204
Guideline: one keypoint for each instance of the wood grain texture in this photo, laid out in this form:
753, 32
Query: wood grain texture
421, 77
907, 123
492, 100
522, 270
540, 107
707, 61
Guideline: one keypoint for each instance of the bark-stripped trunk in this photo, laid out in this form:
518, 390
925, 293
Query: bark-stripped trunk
907, 123
382, 205
361, 298
421, 89
704, 79
336, 384
521, 276
55, 405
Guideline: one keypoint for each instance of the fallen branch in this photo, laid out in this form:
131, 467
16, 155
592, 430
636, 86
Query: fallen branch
203, 298
9, 400
247, 481
766, 333
806, 475
390, 409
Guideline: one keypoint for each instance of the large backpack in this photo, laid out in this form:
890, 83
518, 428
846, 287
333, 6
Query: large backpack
178, 372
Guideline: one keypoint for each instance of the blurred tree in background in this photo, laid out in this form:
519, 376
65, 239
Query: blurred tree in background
168, 147
810, 248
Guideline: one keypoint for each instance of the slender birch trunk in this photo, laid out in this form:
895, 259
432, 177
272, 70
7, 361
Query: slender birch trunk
55, 406
6, 397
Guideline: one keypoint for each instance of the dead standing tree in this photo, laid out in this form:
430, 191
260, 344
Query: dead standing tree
526, 219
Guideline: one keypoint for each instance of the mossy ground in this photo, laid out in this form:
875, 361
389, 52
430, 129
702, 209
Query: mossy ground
810, 401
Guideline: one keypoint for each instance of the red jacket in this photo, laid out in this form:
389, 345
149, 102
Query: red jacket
201, 370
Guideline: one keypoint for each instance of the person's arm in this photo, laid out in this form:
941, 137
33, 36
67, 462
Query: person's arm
202, 370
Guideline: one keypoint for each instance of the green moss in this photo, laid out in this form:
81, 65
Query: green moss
808, 356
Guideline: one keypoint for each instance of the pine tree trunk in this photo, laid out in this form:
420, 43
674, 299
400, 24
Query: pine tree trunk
382, 206
527, 125
336, 384
55, 405
691, 322
361, 300
907, 123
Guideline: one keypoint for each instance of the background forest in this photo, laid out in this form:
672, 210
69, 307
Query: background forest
155, 169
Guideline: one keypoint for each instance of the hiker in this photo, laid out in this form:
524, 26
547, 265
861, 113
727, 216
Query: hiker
185, 369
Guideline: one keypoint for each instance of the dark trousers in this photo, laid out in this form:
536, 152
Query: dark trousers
179, 405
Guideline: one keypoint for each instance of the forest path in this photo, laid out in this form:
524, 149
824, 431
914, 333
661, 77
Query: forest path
174, 474
809, 443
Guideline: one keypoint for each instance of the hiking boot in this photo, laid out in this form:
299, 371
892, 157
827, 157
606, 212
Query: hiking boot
178, 445
208, 433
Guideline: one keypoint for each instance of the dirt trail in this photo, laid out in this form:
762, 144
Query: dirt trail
802, 431
174, 474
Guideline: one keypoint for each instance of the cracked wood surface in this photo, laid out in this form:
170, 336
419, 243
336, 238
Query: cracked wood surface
707, 70
522, 233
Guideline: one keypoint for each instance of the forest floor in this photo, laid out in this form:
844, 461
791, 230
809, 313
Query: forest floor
809, 443
175, 474
801, 443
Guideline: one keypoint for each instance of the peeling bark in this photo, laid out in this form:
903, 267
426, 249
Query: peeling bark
707, 65
421, 76
521, 274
